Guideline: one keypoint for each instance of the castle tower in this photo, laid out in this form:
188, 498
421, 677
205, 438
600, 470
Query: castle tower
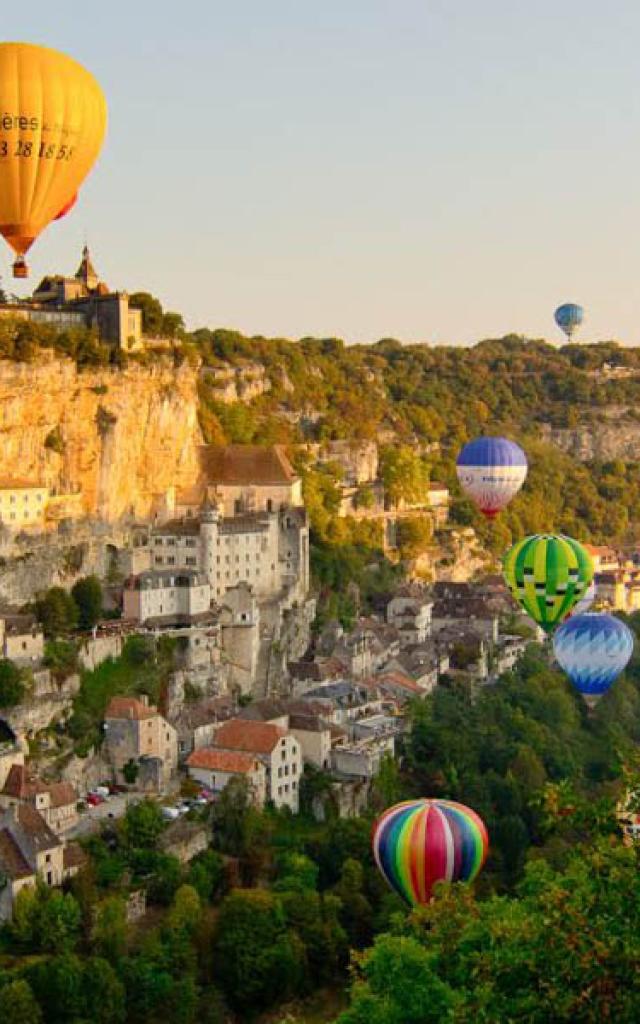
86, 272
209, 518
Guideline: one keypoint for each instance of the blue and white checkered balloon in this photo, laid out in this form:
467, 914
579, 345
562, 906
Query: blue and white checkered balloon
593, 649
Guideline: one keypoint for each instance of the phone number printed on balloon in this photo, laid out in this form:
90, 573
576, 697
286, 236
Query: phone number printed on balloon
45, 151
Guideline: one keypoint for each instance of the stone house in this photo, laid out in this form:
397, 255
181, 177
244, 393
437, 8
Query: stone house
214, 768
29, 849
410, 611
135, 732
22, 504
197, 721
314, 736
55, 801
362, 757
166, 596
21, 638
251, 478
278, 750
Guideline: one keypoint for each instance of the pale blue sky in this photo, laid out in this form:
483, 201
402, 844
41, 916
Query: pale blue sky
436, 170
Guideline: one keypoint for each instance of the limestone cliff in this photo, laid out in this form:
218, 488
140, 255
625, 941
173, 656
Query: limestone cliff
117, 436
617, 436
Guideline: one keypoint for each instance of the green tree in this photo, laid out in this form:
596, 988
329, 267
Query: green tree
404, 475
87, 594
109, 932
356, 913
152, 313
257, 961
59, 921
104, 992
12, 687
19, 1005
414, 536
57, 611
142, 824
398, 985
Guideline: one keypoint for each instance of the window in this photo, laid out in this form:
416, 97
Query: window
190, 542
171, 560
48, 858
286, 787
294, 786
171, 541
294, 769
190, 560
286, 769
279, 790
49, 877
159, 559
280, 772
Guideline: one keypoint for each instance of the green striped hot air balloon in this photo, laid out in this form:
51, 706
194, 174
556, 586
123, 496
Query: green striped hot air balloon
547, 574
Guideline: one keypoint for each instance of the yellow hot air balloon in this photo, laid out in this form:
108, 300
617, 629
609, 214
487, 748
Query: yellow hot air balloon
53, 117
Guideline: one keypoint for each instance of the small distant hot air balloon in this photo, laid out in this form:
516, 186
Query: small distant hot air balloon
52, 124
593, 649
491, 470
67, 207
420, 842
568, 317
548, 574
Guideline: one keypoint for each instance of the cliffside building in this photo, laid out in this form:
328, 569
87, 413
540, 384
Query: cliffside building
268, 550
82, 301
137, 734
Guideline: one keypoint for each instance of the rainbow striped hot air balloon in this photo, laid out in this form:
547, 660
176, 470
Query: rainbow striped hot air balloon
548, 574
420, 842
491, 470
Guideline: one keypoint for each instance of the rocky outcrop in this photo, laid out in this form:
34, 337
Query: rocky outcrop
617, 438
119, 437
239, 383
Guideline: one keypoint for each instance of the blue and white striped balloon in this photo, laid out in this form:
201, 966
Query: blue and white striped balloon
593, 649
491, 470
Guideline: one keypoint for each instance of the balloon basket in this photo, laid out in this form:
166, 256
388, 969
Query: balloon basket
20, 269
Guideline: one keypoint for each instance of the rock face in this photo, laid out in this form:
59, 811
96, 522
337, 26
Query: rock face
617, 439
117, 436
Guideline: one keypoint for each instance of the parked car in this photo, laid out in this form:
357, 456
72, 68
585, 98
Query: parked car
93, 799
102, 791
170, 813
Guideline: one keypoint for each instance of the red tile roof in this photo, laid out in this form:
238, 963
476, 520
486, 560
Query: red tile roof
11, 859
255, 737
129, 707
73, 856
246, 464
221, 760
22, 786
397, 679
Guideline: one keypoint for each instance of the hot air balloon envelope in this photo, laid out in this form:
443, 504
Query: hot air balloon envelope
491, 470
584, 604
593, 649
568, 317
52, 124
67, 207
548, 574
420, 842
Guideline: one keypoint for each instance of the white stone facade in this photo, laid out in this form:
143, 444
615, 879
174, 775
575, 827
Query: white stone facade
168, 594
